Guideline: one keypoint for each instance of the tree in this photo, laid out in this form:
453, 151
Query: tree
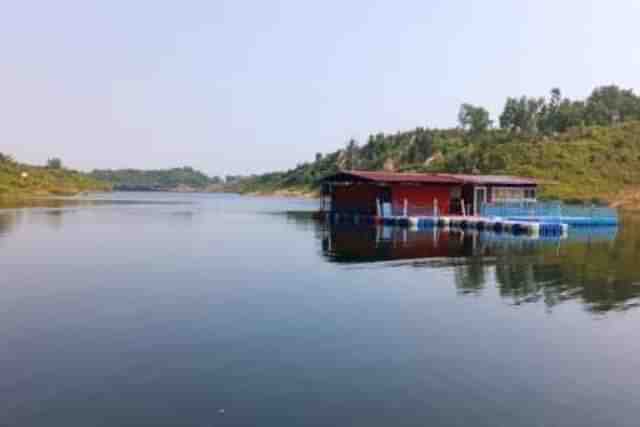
54, 163
556, 97
474, 119
509, 113
569, 114
422, 147
610, 104
522, 114
550, 117
532, 114
352, 154
318, 157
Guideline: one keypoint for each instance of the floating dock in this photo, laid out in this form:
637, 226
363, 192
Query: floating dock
572, 221
532, 228
528, 226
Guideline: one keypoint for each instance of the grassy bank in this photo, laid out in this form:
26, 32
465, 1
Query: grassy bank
19, 180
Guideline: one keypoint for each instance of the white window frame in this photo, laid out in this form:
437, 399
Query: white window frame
476, 207
524, 197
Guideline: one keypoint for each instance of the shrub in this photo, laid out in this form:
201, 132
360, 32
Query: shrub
54, 163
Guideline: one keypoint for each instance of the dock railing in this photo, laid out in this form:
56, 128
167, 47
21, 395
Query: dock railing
545, 209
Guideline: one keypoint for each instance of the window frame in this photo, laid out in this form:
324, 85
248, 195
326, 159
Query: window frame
528, 194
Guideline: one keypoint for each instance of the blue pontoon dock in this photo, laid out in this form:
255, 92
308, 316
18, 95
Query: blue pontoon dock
532, 219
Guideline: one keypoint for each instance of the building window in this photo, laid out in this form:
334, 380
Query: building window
530, 193
509, 194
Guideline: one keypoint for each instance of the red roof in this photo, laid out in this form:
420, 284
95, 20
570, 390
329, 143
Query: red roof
430, 178
493, 179
401, 177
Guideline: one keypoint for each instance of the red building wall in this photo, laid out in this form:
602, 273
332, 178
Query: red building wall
360, 198
421, 197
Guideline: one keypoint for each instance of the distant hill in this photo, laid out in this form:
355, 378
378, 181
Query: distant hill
177, 179
581, 150
18, 179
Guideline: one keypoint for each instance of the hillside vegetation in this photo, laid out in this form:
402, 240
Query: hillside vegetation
581, 150
177, 179
19, 180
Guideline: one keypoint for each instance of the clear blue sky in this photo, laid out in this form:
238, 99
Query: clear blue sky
241, 87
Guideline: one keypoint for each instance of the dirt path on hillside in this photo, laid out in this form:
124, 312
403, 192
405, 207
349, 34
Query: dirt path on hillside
627, 199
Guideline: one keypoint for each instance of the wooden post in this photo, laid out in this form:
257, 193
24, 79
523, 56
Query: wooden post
464, 210
378, 209
406, 208
435, 208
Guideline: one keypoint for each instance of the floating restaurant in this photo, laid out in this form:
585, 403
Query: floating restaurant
420, 200
387, 194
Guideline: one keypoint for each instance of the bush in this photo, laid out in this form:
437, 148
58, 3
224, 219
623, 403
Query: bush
54, 163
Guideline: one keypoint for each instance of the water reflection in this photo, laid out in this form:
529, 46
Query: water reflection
55, 217
53, 211
135, 199
9, 220
598, 267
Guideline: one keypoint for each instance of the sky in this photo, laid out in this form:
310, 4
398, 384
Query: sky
239, 87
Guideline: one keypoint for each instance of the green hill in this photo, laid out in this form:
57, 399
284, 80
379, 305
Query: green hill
177, 179
19, 180
581, 150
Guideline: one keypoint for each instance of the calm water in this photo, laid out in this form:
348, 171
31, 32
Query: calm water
165, 310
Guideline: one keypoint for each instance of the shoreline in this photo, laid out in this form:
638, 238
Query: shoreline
626, 202
284, 193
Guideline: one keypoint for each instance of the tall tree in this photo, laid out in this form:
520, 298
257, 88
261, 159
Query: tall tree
54, 163
522, 114
550, 117
474, 119
351, 154
508, 118
420, 146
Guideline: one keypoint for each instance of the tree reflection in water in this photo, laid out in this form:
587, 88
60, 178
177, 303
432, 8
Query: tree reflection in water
598, 267
9, 220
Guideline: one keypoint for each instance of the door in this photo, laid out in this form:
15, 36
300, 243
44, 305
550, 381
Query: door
479, 198
386, 202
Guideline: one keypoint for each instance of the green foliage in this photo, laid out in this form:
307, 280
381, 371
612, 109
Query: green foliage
581, 150
351, 155
581, 164
607, 105
610, 104
522, 115
420, 147
20, 180
54, 163
474, 119
165, 179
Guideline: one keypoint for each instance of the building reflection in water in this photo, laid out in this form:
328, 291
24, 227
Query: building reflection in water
597, 267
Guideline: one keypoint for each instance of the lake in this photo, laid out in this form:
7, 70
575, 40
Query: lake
220, 310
